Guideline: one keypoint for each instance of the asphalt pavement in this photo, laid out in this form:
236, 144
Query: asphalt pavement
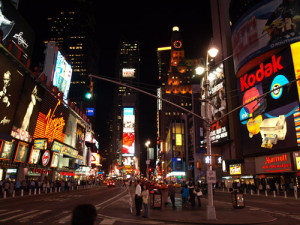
225, 212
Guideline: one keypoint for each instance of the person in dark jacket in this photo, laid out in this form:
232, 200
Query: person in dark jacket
171, 193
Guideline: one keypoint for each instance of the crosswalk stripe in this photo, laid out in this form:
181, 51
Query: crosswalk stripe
27, 218
12, 217
2, 214
65, 219
108, 221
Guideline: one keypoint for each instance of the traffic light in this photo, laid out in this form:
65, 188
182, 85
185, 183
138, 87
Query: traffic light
90, 91
199, 163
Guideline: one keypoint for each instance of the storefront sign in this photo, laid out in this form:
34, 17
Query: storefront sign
69, 151
42, 171
235, 169
46, 158
40, 144
56, 146
273, 163
296, 156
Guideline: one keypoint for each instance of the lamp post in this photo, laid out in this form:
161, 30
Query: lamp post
210, 209
147, 162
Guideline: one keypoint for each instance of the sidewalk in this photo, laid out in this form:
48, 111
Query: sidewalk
225, 213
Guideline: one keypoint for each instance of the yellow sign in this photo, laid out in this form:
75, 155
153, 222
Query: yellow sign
298, 163
178, 139
295, 49
235, 169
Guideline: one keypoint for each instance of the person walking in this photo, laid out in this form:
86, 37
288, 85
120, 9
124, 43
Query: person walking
198, 194
138, 198
171, 193
184, 195
145, 196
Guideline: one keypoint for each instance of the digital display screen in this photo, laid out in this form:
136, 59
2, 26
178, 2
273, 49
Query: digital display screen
235, 169
11, 82
128, 144
128, 72
95, 158
128, 120
22, 151
273, 126
34, 156
62, 75
28, 110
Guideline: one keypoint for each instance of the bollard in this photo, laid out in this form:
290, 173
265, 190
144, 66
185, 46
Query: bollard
29, 193
251, 192
14, 194
50, 190
39, 191
258, 192
274, 194
296, 194
55, 189
266, 193
4, 194
284, 192
77, 187
72, 188
22, 192
59, 189
34, 191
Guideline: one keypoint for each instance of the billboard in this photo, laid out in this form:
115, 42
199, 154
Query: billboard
268, 93
16, 29
128, 120
80, 138
62, 75
71, 126
21, 152
7, 149
277, 163
54, 160
11, 82
128, 144
34, 156
51, 122
269, 25
28, 110
95, 158
128, 72
218, 106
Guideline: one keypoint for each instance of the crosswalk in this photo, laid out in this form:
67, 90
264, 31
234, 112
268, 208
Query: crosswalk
36, 216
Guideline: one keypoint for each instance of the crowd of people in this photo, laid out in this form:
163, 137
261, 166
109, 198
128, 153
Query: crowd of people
9, 186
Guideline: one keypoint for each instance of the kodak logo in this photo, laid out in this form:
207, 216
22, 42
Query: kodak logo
266, 70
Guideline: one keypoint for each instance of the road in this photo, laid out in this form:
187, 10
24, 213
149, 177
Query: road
56, 208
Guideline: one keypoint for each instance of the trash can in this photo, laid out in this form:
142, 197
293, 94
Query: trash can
155, 199
238, 200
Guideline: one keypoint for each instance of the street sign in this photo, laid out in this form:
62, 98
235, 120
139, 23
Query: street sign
211, 177
262, 107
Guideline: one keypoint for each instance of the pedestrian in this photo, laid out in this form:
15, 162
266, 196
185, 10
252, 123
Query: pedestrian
11, 188
171, 193
192, 193
124, 183
1, 185
18, 186
84, 214
184, 195
138, 198
198, 194
145, 196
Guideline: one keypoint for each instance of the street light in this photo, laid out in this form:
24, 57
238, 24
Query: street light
212, 52
147, 162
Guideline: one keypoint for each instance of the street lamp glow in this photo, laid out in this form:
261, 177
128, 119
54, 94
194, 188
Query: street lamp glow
200, 70
213, 52
147, 143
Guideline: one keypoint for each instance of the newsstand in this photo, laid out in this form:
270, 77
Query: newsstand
155, 199
238, 200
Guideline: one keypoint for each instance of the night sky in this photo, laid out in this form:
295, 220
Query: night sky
149, 22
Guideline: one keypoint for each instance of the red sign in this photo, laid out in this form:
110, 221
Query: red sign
273, 163
267, 70
46, 158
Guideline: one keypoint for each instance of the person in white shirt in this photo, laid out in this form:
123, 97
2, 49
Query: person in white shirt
145, 194
138, 198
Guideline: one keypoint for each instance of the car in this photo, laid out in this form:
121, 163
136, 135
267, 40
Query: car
110, 183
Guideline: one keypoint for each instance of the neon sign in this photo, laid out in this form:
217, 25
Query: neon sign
49, 126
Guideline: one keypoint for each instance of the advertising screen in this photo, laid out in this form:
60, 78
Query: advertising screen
273, 163
54, 160
16, 29
62, 75
128, 144
21, 152
40, 143
95, 158
128, 72
34, 156
80, 137
51, 122
11, 82
7, 149
269, 25
128, 120
28, 110
235, 169
218, 106
71, 128
277, 113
